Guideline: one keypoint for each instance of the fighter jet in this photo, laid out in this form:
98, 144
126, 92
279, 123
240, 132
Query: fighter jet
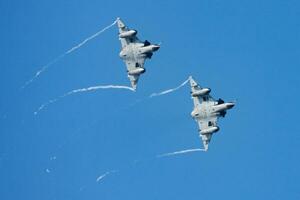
207, 111
134, 52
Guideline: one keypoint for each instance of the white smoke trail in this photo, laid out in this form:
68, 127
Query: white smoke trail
170, 90
105, 174
102, 176
90, 38
45, 105
157, 94
97, 88
45, 67
92, 88
179, 152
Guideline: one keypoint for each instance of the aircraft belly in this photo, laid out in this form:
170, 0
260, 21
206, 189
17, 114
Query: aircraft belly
202, 115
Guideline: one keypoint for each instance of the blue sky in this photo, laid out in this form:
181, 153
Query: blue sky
244, 50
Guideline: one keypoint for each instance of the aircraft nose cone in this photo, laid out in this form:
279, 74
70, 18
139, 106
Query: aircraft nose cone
230, 105
156, 47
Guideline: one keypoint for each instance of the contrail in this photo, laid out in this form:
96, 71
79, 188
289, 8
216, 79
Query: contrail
58, 58
179, 152
91, 37
92, 88
158, 94
102, 176
105, 174
97, 88
170, 90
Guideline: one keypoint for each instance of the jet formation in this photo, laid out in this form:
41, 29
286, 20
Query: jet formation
207, 111
134, 52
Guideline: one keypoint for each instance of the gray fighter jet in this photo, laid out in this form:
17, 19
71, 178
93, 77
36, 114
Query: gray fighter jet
134, 52
207, 111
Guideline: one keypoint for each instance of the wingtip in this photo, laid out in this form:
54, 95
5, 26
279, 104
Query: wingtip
120, 23
133, 86
205, 146
118, 20
193, 83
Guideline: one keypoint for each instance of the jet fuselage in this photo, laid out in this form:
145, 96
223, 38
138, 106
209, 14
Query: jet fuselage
210, 109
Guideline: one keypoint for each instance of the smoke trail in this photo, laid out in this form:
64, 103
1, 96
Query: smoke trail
141, 100
90, 38
45, 67
97, 88
105, 174
169, 90
179, 152
102, 176
92, 88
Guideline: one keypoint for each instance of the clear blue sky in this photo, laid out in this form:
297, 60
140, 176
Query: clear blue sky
244, 50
